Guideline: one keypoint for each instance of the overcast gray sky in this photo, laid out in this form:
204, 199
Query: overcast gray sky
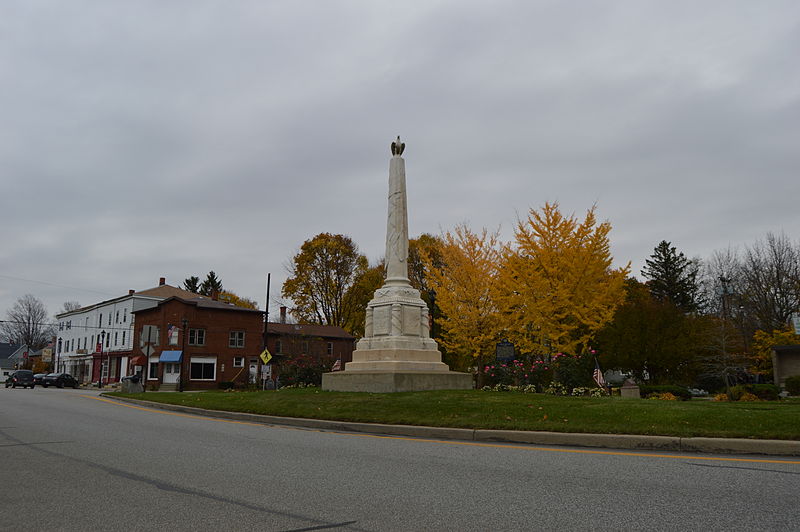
141, 139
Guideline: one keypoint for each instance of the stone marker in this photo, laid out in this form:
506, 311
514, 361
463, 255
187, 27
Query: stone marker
397, 353
630, 389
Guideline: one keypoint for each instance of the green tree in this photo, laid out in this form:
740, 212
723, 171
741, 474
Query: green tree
320, 276
673, 277
192, 284
652, 337
211, 284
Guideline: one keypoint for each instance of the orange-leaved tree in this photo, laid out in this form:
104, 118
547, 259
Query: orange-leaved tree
464, 276
558, 286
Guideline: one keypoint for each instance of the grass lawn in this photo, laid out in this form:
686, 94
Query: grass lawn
477, 409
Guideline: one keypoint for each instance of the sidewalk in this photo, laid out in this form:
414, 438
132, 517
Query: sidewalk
607, 441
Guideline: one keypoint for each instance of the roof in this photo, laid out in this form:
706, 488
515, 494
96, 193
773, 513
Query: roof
159, 292
203, 302
786, 348
165, 291
6, 350
309, 329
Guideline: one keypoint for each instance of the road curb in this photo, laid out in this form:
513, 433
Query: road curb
608, 441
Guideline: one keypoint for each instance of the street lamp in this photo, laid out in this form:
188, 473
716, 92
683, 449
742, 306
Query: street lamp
102, 341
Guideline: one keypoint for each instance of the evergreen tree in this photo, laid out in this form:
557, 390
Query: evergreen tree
211, 284
192, 284
672, 277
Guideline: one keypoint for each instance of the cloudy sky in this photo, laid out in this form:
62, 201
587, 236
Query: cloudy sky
145, 139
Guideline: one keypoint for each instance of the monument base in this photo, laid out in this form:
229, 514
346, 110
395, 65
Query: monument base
395, 381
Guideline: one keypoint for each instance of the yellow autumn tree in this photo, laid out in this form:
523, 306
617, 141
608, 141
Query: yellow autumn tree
763, 342
557, 284
464, 275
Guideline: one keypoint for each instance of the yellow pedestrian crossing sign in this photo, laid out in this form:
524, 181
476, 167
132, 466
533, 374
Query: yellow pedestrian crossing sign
265, 356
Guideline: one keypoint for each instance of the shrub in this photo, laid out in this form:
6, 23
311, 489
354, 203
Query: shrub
227, 385
793, 385
747, 396
304, 369
518, 373
765, 392
680, 392
720, 397
666, 396
736, 392
556, 388
573, 371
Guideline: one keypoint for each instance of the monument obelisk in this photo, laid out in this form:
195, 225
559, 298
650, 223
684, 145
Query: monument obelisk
397, 353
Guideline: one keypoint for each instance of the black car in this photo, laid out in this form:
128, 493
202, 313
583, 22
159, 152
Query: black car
21, 377
38, 378
59, 380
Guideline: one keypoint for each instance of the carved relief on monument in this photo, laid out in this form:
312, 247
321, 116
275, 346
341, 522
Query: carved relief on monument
381, 320
411, 321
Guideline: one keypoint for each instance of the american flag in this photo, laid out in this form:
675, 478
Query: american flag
337, 366
597, 375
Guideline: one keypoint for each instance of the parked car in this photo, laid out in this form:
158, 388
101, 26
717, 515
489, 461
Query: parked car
38, 378
60, 380
21, 377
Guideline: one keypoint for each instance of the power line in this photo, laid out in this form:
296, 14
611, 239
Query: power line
54, 284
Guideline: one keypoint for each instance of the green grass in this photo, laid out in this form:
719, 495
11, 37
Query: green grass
476, 409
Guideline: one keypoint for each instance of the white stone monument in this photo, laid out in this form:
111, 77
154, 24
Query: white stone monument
397, 353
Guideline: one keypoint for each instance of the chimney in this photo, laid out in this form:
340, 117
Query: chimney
215, 295
131, 292
283, 314
162, 281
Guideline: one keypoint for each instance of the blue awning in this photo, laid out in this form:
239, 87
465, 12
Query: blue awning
170, 356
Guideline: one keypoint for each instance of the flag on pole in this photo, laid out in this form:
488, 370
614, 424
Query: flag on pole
265, 356
337, 366
597, 375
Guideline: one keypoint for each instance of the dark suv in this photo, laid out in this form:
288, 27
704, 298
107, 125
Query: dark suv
21, 377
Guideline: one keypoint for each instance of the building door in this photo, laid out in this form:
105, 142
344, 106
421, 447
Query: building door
171, 372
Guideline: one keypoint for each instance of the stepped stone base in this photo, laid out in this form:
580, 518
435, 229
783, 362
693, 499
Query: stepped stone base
395, 381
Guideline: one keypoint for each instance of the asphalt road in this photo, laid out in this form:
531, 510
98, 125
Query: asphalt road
70, 460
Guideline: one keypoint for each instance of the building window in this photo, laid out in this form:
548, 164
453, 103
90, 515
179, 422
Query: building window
109, 318
238, 362
278, 346
115, 338
152, 373
72, 345
330, 348
305, 347
124, 315
99, 321
116, 318
197, 337
123, 337
236, 339
203, 368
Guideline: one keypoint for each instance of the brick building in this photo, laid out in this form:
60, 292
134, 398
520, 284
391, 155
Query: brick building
196, 343
320, 341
